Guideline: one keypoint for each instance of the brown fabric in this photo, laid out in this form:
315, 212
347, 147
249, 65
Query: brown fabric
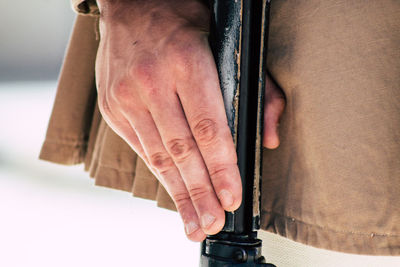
334, 182
69, 126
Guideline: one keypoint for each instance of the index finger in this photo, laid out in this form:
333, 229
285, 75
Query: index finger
204, 109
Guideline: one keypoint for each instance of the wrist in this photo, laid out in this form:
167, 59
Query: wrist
134, 11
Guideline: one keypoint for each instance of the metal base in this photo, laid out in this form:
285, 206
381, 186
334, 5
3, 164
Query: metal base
226, 250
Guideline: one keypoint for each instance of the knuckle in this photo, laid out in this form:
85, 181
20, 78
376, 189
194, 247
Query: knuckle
154, 93
121, 91
144, 74
181, 51
218, 172
183, 60
161, 161
205, 131
169, 179
197, 193
180, 149
144, 69
181, 200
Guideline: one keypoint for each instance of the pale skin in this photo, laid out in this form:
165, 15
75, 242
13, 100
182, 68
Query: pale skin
158, 89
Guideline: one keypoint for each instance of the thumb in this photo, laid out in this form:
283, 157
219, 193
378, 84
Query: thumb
274, 106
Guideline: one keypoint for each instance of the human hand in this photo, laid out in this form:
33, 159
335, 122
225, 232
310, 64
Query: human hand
158, 89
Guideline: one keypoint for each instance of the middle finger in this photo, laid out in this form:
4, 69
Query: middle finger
181, 146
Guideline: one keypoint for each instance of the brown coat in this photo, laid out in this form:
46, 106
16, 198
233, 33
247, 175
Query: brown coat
334, 182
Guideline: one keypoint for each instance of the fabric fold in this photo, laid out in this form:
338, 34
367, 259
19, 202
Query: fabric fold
70, 121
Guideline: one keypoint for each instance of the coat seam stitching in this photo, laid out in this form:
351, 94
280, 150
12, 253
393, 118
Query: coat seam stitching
293, 220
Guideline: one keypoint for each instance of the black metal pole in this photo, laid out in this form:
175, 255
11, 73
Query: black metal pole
239, 32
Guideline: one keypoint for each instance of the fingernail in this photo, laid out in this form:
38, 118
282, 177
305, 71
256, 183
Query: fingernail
191, 227
226, 198
206, 220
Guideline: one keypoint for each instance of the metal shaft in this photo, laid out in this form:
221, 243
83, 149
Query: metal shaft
239, 32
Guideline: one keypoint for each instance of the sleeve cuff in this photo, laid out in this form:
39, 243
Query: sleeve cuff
86, 7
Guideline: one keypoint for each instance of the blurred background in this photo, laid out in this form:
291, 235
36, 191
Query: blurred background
52, 215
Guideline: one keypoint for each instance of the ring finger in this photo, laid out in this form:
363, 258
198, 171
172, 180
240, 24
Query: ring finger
147, 132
